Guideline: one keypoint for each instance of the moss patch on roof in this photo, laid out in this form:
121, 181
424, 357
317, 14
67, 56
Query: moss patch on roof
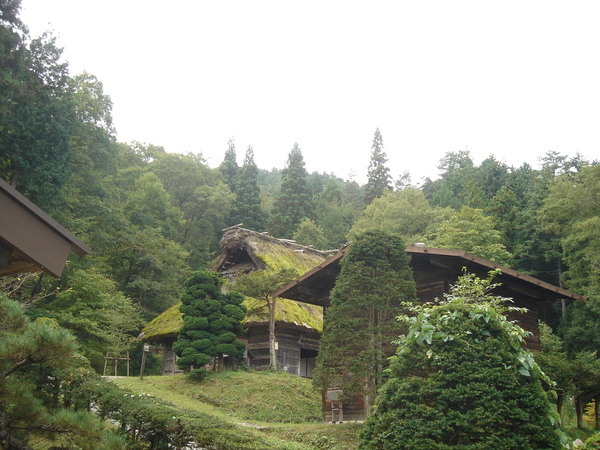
166, 326
243, 250
287, 311
278, 256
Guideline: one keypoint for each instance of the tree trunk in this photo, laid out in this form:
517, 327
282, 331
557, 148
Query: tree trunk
272, 350
579, 410
14, 178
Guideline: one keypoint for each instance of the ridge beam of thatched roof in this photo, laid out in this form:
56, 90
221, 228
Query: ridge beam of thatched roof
244, 250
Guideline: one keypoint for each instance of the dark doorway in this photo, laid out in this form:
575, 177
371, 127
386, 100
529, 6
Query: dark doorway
307, 362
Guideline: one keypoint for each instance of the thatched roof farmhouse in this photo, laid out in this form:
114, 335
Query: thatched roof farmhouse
300, 306
298, 325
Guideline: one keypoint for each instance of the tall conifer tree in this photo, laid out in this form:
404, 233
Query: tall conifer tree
374, 281
294, 200
379, 178
247, 208
229, 166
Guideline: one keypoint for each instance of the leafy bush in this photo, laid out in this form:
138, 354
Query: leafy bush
462, 380
592, 443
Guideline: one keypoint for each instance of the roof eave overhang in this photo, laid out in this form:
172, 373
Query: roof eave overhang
35, 240
300, 289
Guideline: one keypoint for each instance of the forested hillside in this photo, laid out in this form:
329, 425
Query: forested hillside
152, 217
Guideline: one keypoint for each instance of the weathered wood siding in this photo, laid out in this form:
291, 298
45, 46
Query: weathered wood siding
432, 282
169, 363
296, 349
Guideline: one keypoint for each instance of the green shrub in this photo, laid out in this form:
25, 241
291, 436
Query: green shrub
211, 322
462, 380
198, 374
592, 443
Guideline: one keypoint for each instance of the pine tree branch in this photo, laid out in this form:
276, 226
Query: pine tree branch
17, 366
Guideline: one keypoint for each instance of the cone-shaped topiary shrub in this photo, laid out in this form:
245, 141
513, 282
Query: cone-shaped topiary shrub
462, 380
211, 323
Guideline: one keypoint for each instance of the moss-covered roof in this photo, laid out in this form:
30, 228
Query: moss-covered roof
245, 251
164, 327
287, 311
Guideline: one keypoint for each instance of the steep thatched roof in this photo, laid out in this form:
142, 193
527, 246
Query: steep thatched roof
244, 251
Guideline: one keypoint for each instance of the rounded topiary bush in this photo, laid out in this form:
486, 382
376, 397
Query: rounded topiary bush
462, 380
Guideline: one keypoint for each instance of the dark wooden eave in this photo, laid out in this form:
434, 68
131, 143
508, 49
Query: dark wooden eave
314, 286
30, 240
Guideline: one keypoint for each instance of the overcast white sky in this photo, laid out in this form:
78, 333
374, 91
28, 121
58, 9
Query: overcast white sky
509, 78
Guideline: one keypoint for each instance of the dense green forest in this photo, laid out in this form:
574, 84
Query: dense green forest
153, 217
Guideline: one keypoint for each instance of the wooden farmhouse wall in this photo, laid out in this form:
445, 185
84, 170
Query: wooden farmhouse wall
297, 348
169, 362
432, 282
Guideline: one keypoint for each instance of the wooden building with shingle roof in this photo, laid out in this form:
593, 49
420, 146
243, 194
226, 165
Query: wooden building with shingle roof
434, 271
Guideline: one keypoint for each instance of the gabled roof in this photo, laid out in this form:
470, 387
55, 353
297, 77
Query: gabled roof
314, 286
30, 240
509, 278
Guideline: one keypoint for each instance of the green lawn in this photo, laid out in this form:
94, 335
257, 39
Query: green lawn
284, 410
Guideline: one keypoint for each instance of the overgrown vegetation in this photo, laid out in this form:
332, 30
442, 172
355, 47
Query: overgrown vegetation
462, 379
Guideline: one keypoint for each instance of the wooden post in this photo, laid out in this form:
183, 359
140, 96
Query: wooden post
105, 363
146, 348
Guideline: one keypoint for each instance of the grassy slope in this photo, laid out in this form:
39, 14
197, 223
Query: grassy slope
283, 409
